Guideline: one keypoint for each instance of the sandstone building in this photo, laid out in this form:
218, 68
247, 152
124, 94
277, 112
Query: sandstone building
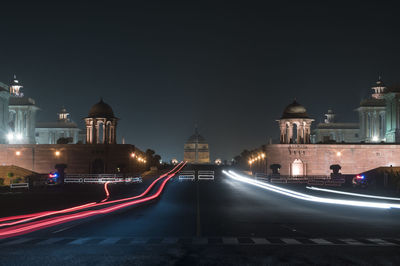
196, 150
298, 157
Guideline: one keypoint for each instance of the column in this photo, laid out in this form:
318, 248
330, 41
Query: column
104, 133
289, 133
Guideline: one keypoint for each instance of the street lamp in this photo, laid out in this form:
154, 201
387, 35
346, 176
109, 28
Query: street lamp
18, 153
57, 153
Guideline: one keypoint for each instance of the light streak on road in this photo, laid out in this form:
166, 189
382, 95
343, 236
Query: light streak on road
352, 194
34, 216
106, 190
306, 197
34, 226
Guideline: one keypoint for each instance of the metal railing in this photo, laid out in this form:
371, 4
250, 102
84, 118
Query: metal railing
187, 175
19, 185
205, 175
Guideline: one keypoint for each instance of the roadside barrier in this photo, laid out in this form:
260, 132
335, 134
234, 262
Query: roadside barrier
20, 185
186, 175
205, 175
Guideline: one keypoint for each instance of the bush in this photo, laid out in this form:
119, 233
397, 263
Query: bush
1, 181
10, 174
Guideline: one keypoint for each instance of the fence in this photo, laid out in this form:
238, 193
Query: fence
205, 175
316, 180
101, 178
186, 175
19, 185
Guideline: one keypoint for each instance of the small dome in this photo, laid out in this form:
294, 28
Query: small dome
196, 138
295, 110
101, 110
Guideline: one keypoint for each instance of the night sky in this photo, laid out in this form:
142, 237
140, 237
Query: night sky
229, 67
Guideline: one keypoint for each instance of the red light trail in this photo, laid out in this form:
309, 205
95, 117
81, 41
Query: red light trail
34, 216
33, 226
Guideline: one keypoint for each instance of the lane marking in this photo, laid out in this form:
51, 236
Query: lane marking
260, 241
291, 241
63, 229
80, 241
381, 242
352, 241
109, 241
321, 241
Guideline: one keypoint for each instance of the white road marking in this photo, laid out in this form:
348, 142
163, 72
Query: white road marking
321, 241
351, 241
291, 241
381, 242
80, 241
260, 241
109, 241
63, 229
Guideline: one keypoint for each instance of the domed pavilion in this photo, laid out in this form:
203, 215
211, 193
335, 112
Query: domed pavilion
295, 124
101, 124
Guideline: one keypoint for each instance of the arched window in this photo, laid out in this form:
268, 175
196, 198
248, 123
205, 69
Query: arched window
297, 168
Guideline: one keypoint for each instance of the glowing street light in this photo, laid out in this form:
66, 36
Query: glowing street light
57, 153
18, 153
338, 154
133, 155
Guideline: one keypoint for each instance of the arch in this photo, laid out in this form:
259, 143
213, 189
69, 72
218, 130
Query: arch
297, 168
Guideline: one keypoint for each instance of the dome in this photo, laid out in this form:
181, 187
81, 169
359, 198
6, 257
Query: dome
196, 138
295, 110
101, 110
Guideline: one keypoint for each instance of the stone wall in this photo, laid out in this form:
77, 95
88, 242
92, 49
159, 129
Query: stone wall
79, 158
315, 159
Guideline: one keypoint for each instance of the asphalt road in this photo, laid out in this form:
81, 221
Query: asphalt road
217, 222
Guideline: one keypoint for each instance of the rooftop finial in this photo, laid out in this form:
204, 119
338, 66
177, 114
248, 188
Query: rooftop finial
15, 76
195, 129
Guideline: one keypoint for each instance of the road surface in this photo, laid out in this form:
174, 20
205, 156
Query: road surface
221, 221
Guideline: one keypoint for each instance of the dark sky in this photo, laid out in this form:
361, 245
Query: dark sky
231, 67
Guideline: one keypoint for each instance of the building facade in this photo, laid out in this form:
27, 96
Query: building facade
4, 117
196, 150
22, 116
378, 120
332, 131
297, 157
63, 131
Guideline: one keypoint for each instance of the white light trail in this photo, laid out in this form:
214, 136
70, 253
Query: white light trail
352, 194
302, 196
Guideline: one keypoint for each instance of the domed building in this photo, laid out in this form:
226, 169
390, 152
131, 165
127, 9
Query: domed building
196, 149
295, 124
101, 124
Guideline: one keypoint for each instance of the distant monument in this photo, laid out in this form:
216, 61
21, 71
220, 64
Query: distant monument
196, 149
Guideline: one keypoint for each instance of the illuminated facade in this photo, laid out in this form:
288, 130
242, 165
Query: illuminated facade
196, 150
379, 117
61, 132
22, 116
4, 98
